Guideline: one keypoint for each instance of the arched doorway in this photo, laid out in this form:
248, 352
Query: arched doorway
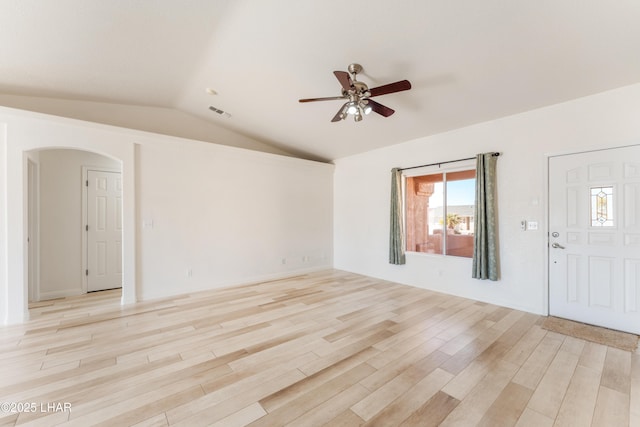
23, 134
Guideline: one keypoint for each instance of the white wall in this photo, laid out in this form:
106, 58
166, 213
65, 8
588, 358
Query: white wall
228, 214
362, 186
61, 219
33, 221
4, 245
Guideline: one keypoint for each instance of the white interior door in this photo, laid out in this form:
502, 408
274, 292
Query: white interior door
104, 230
594, 238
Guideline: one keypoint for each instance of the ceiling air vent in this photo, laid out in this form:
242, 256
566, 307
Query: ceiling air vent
217, 110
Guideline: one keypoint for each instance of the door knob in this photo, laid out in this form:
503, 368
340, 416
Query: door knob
557, 246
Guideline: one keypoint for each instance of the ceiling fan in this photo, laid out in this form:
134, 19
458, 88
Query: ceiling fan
358, 95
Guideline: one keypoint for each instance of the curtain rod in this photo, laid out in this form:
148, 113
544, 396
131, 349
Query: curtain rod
442, 163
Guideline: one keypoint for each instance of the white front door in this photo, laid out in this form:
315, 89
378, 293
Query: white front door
104, 230
594, 238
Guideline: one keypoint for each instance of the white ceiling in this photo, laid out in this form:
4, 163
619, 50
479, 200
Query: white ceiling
469, 61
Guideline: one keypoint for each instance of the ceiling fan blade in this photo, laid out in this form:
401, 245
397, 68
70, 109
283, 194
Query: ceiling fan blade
341, 113
390, 88
380, 109
330, 98
344, 79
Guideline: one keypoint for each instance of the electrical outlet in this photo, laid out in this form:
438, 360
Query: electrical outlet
189, 272
532, 225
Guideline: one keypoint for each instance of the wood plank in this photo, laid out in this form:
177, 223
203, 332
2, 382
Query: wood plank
634, 394
468, 379
431, 414
537, 363
142, 413
527, 344
531, 418
159, 420
549, 394
404, 349
508, 406
471, 410
305, 385
612, 408
345, 419
304, 403
425, 355
494, 343
577, 406
458, 342
383, 396
219, 400
242, 417
617, 370
423, 398
325, 412
314, 349
593, 356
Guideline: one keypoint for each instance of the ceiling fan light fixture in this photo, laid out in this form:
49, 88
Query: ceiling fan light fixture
352, 108
365, 107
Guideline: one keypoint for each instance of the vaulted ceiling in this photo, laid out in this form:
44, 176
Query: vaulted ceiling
146, 64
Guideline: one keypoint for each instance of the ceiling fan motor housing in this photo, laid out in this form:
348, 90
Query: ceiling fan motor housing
361, 88
354, 68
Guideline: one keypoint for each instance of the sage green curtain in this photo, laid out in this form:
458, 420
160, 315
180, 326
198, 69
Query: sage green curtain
396, 235
485, 250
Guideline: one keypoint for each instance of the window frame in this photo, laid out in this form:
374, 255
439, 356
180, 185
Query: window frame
467, 165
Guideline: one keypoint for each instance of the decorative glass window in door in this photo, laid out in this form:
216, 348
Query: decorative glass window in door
602, 206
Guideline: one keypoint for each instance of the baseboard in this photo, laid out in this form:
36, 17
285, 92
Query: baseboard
59, 294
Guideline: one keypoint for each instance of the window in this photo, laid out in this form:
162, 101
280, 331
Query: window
602, 206
439, 212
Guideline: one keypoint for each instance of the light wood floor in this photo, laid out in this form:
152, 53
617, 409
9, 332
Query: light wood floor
329, 348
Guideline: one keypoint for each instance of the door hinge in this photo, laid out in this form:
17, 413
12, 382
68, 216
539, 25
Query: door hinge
86, 272
86, 227
86, 183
